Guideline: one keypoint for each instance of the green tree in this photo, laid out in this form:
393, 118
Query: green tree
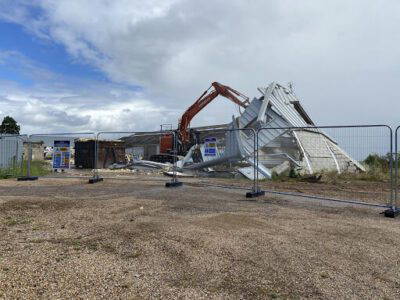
9, 126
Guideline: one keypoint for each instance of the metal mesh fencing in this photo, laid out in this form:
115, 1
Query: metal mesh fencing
55, 155
11, 155
145, 156
353, 164
337, 163
222, 158
396, 175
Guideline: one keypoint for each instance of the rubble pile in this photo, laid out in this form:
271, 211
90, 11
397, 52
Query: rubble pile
289, 141
139, 167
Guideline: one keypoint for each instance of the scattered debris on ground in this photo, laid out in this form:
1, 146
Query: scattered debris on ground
63, 238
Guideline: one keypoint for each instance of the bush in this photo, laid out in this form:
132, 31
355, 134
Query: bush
377, 169
289, 174
10, 172
7, 173
376, 161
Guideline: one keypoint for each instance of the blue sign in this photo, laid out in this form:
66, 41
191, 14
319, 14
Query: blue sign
210, 145
61, 155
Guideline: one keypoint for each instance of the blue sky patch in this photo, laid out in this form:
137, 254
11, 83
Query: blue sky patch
47, 54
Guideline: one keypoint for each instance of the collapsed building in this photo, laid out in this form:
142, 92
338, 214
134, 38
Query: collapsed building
289, 139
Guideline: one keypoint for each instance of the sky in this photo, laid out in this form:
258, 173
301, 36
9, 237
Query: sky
130, 65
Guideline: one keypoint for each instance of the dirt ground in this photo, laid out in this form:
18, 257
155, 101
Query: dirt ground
64, 238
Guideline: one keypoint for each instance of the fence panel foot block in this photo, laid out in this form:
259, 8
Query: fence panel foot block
173, 184
27, 178
254, 194
96, 179
390, 213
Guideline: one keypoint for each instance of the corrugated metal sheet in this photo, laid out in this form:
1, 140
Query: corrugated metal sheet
11, 150
280, 98
279, 107
323, 154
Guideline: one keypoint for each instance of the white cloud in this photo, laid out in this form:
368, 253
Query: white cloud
66, 105
341, 55
40, 112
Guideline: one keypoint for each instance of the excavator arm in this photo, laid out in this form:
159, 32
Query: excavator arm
208, 96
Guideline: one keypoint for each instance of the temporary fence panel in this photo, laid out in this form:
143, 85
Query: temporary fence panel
339, 163
396, 175
54, 155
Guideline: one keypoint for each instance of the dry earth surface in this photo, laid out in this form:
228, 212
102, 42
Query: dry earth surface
64, 238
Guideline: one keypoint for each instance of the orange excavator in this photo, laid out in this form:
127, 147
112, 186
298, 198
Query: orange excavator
185, 140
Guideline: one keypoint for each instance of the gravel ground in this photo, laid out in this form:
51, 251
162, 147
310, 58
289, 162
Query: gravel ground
63, 238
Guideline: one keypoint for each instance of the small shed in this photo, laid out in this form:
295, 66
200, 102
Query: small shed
109, 152
37, 150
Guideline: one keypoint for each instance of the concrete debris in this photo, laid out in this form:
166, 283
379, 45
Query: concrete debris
149, 164
138, 167
177, 174
282, 168
116, 166
248, 172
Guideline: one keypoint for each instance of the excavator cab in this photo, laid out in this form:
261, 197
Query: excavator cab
166, 143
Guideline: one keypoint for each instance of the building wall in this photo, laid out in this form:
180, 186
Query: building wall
150, 150
10, 151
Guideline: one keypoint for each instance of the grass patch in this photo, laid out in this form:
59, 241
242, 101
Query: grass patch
32, 205
16, 221
38, 168
285, 176
371, 174
10, 172
76, 243
324, 275
333, 177
134, 254
377, 168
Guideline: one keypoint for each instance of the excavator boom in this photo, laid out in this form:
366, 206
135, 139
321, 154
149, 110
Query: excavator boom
203, 101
